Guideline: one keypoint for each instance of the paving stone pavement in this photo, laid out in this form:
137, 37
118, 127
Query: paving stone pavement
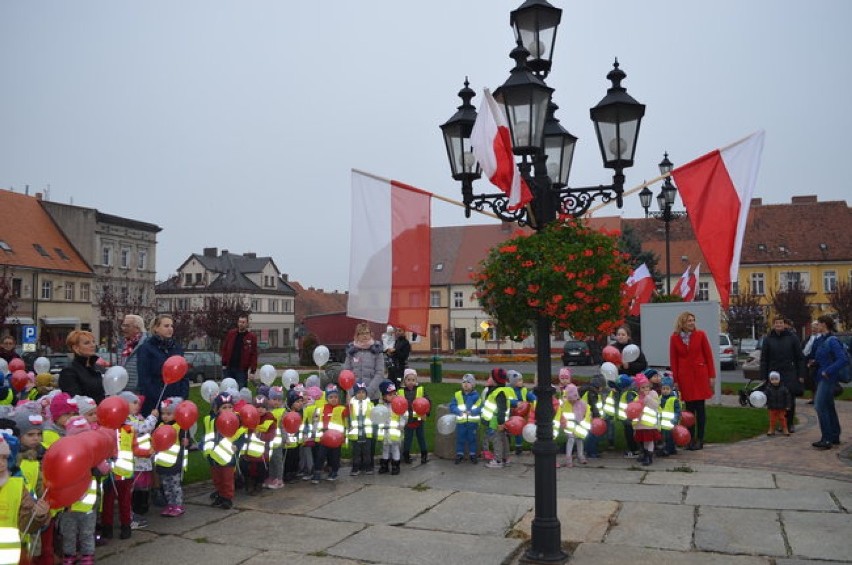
773, 501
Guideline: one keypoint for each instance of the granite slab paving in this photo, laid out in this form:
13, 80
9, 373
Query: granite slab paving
802, 482
648, 524
817, 535
757, 498
116, 546
196, 515
579, 520
403, 505
736, 530
291, 558
474, 513
169, 549
743, 479
622, 492
599, 474
299, 498
392, 545
598, 553
476, 480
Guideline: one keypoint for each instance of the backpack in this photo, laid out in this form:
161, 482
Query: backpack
844, 375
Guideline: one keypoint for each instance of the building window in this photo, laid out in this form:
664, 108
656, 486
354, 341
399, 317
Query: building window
285, 339
255, 305
182, 304
273, 305
198, 278
458, 299
69, 291
829, 281
106, 255
125, 257
125, 295
703, 293
187, 279
46, 290
434, 299
288, 306
85, 292
61, 254
41, 250
141, 259
735, 288
16, 287
791, 280
164, 305
758, 287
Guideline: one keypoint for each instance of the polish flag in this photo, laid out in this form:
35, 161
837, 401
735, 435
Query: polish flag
390, 253
492, 147
640, 287
682, 285
716, 189
692, 285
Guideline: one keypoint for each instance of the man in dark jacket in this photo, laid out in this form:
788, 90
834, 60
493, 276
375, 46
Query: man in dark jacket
398, 354
782, 352
239, 352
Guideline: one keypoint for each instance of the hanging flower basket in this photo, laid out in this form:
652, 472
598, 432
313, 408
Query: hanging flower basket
568, 272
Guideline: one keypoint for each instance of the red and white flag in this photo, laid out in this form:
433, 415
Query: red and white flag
692, 285
640, 288
492, 147
390, 253
716, 189
682, 285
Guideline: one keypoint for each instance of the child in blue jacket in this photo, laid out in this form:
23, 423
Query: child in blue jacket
466, 406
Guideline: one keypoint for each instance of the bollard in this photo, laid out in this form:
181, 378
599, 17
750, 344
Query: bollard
435, 369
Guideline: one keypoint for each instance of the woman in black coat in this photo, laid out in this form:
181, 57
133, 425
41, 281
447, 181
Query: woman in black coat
81, 377
622, 340
152, 354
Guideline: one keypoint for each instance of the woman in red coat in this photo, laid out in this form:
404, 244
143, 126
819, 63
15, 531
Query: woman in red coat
691, 360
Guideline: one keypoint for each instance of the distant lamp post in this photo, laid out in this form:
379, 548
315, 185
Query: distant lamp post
665, 201
545, 151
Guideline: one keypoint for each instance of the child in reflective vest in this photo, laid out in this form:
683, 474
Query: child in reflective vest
275, 398
292, 443
360, 430
669, 415
20, 513
390, 431
496, 403
171, 463
575, 418
254, 457
29, 421
77, 522
332, 417
414, 422
221, 452
143, 464
594, 394
646, 427
626, 394
310, 416
465, 405
522, 394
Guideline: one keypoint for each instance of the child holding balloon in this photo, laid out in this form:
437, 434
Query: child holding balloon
170, 463
291, 428
254, 457
360, 430
670, 411
466, 406
143, 466
390, 429
412, 392
221, 439
647, 427
330, 426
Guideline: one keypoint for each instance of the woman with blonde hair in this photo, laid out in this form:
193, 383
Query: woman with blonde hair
694, 371
81, 377
152, 354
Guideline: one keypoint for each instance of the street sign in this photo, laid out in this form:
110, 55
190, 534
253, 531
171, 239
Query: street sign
28, 334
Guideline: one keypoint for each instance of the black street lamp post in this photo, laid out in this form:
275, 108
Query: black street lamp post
665, 201
546, 150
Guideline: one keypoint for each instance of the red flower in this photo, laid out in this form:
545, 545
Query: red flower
508, 249
511, 291
533, 288
588, 253
527, 264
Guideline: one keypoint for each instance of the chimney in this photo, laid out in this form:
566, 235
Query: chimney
210, 251
809, 199
224, 252
285, 277
248, 255
756, 201
38, 196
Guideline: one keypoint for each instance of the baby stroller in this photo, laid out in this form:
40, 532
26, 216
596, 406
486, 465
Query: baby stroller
753, 385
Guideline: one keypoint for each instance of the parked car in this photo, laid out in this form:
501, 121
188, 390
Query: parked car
203, 365
748, 345
727, 352
58, 361
576, 352
751, 366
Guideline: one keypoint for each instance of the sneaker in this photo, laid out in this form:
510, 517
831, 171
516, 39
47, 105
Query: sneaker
629, 455
583, 461
138, 523
315, 479
519, 451
125, 532
168, 511
459, 459
354, 473
473, 459
276, 484
494, 464
178, 511
331, 477
569, 462
306, 477
226, 504
268, 483
369, 470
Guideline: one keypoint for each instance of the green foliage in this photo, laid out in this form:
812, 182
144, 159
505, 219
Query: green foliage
567, 272
793, 304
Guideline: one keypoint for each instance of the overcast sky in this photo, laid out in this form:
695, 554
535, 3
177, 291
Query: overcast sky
236, 124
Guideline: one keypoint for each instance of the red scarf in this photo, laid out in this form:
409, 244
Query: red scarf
130, 345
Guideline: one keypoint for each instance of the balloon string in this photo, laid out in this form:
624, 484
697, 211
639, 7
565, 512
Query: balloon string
32, 517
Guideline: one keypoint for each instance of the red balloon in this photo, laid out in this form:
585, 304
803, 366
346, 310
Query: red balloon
421, 406
522, 409
515, 425
399, 405
66, 462
598, 426
112, 412
634, 409
249, 416
687, 418
292, 421
164, 437
17, 364
332, 439
66, 496
101, 446
174, 369
186, 414
612, 354
227, 423
681, 436
346, 379
19, 380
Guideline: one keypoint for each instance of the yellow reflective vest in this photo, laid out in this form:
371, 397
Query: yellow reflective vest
10, 536
489, 405
668, 412
360, 424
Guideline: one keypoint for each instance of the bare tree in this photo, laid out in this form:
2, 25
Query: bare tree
841, 301
117, 297
185, 327
746, 316
8, 300
219, 314
792, 303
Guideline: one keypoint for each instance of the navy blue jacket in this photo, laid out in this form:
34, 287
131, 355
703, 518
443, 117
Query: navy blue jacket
152, 355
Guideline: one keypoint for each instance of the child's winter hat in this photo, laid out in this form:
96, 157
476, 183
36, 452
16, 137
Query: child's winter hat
77, 426
263, 390
409, 372
331, 390
277, 393
469, 378
293, 396
261, 402
774, 375
314, 392
387, 387
170, 404
641, 380
85, 404
667, 381
27, 421
598, 381
498, 375
312, 380
223, 398
564, 375
624, 382
514, 377
61, 405
571, 392
650, 373
129, 397
359, 387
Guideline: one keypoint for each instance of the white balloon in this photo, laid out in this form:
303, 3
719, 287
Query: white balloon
4, 367
228, 384
380, 414
41, 365
609, 371
757, 399
529, 433
312, 380
114, 380
209, 390
630, 353
321, 355
245, 394
446, 424
290, 378
267, 374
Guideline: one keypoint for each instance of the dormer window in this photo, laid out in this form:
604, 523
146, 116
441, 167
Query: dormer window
439, 267
761, 247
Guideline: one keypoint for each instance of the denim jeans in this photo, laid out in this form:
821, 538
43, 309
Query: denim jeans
829, 424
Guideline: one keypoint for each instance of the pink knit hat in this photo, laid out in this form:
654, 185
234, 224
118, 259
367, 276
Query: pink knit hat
61, 405
640, 380
565, 375
571, 392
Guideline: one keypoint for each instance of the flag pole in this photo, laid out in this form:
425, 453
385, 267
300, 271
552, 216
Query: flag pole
432, 194
633, 190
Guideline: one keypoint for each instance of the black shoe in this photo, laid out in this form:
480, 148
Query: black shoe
394, 468
459, 459
696, 445
519, 451
383, 466
473, 459
424, 458
406, 458
791, 428
125, 532
822, 444
836, 442
217, 501
106, 532
226, 504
